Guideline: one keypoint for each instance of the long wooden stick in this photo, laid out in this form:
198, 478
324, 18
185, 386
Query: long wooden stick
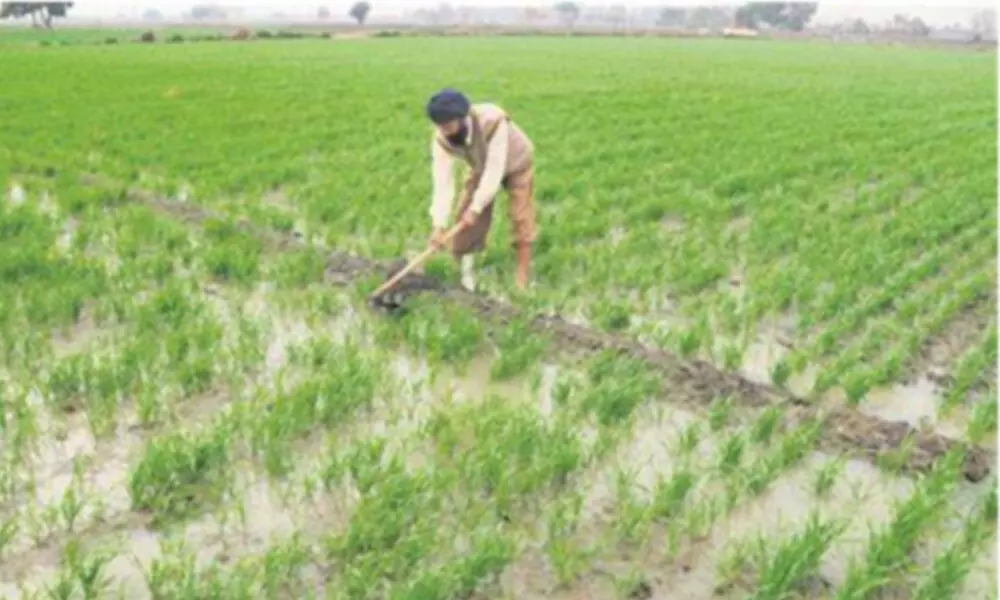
416, 262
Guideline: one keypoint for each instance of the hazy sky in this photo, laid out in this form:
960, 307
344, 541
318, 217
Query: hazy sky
935, 12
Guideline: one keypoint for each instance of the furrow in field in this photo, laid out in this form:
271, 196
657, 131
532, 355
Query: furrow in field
692, 382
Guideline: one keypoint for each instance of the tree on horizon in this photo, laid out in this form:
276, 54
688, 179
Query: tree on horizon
45, 11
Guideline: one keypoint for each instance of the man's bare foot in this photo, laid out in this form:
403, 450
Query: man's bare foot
468, 273
523, 265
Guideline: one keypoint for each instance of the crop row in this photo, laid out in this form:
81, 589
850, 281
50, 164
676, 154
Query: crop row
404, 525
857, 367
166, 330
158, 346
228, 262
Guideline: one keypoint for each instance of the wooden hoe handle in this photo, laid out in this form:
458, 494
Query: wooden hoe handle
416, 262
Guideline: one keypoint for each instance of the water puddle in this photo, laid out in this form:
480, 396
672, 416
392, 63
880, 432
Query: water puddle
981, 581
758, 363
268, 519
917, 403
649, 455
261, 519
428, 388
81, 336
265, 520
646, 458
861, 493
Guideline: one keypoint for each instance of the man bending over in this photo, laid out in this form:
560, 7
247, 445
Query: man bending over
498, 154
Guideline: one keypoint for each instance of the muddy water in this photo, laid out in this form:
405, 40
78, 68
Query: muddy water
862, 496
268, 518
648, 454
981, 581
265, 520
760, 358
645, 458
917, 403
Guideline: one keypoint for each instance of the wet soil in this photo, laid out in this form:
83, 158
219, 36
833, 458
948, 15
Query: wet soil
861, 495
271, 510
691, 382
939, 356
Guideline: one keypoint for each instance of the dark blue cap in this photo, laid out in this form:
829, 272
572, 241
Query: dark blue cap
447, 105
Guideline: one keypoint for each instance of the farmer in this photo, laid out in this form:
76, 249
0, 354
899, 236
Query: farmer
498, 154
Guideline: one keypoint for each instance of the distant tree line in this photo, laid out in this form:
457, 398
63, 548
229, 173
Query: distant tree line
787, 16
790, 16
982, 26
208, 12
699, 17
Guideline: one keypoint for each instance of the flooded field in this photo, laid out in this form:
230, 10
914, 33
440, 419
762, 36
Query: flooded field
753, 362
302, 445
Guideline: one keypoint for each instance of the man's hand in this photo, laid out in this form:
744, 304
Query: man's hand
437, 238
468, 218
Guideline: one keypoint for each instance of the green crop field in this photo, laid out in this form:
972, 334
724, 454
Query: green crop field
757, 359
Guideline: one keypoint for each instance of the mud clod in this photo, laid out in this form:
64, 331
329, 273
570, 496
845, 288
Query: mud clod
393, 299
641, 591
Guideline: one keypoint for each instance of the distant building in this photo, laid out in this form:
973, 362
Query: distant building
954, 35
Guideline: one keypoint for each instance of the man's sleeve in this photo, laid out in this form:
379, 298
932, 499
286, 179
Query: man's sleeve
496, 165
443, 175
